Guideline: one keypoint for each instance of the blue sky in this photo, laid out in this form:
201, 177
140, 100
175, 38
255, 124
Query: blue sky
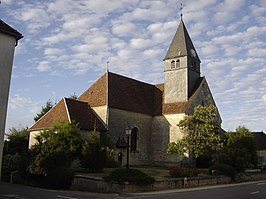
67, 44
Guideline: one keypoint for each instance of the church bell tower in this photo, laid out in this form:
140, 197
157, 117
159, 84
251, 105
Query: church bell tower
181, 67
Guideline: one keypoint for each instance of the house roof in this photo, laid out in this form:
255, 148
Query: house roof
181, 44
5, 28
131, 95
70, 110
260, 140
84, 115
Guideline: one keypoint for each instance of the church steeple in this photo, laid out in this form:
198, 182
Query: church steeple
181, 67
181, 44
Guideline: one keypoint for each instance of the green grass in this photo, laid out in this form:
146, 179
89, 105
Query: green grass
158, 173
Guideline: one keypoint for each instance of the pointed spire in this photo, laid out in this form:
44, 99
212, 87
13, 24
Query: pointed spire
181, 44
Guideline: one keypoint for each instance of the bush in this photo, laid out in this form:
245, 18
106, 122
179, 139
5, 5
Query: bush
59, 178
224, 169
132, 176
179, 172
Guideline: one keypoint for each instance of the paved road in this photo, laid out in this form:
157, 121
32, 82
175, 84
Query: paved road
252, 190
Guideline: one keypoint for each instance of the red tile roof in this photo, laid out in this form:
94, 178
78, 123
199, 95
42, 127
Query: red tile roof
131, 95
84, 115
5, 28
70, 110
56, 114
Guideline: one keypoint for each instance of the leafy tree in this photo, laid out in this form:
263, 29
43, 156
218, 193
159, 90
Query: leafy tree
56, 147
18, 141
94, 152
73, 96
16, 157
201, 133
239, 150
45, 109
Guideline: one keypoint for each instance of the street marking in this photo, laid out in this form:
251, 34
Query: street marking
65, 197
255, 192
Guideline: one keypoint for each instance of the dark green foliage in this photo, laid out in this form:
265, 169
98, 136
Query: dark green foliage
239, 150
131, 176
16, 157
58, 178
18, 141
55, 147
94, 152
49, 104
180, 172
223, 169
201, 132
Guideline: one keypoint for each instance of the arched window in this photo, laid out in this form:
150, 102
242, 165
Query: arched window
134, 139
172, 64
177, 63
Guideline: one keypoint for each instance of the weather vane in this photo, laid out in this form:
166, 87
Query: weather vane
107, 65
181, 10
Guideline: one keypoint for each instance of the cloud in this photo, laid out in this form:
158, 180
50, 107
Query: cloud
44, 66
123, 29
21, 103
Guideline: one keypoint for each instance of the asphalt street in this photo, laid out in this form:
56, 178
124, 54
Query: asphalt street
250, 190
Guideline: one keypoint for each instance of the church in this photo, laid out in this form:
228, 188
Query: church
152, 112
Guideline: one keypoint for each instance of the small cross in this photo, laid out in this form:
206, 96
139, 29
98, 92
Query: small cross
181, 10
107, 65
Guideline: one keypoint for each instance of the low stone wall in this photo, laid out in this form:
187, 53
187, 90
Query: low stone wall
251, 177
91, 184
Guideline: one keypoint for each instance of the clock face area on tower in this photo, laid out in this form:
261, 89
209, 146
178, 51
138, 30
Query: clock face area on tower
193, 53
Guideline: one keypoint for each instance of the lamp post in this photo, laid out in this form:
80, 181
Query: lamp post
128, 133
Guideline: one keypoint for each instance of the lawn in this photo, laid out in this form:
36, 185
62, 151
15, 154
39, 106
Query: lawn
158, 173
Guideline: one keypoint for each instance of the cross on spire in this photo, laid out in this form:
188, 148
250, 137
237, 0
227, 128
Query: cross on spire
181, 10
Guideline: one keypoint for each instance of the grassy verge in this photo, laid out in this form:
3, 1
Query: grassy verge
158, 173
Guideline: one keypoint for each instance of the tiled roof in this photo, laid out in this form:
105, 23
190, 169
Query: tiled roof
96, 94
84, 115
70, 110
131, 95
56, 114
5, 28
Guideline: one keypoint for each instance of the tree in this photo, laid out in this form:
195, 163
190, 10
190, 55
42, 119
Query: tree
201, 133
239, 150
73, 96
18, 141
55, 147
94, 152
45, 109
16, 156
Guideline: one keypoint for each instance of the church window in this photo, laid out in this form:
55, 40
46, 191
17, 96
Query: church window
177, 63
172, 64
134, 139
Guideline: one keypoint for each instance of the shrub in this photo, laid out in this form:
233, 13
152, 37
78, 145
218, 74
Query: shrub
59, 178
224, 169
132, 176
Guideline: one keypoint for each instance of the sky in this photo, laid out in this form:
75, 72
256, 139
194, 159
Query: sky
68, 44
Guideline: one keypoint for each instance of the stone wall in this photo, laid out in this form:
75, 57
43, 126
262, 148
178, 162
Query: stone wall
164, 131
82, 183
118, 121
